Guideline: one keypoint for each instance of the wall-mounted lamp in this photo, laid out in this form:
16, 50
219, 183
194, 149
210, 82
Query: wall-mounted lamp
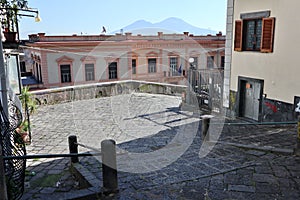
37, 17
19, 12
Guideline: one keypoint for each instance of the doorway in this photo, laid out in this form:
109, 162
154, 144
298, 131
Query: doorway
251, 91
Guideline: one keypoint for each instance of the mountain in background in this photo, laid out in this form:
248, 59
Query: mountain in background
169, 25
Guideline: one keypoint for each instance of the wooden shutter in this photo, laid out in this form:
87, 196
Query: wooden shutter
238, 35
267, 35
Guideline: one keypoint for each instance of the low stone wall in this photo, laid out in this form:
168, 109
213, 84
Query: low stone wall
81, 92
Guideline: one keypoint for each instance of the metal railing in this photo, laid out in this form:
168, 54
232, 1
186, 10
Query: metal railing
207, 87
108, 153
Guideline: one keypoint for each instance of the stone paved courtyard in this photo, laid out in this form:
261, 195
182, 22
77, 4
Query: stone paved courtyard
160, 152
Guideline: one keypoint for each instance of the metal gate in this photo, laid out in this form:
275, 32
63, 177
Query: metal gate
250, 98
206, 85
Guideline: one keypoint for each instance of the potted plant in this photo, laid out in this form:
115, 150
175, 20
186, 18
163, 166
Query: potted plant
23, 131
9, 11
29, 106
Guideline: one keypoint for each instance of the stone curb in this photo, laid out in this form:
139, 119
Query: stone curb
260, 148
87, 179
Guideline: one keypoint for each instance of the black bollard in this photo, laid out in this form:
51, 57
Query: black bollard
73, 148
205, 127
297, 149
298, 127
109, 166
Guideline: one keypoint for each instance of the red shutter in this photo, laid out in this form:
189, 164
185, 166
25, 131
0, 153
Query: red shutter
267, 35
238, 35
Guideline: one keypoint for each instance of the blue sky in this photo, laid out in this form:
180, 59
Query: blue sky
88, 16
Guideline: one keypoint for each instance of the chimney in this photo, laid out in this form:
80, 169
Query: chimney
128, 35
159, 34
33, 37
186, 33
41, 34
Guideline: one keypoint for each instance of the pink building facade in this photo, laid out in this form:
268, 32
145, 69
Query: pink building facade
57, 61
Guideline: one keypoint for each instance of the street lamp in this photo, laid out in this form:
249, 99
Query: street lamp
190, 80
19, 12
37, 17
191, 61
192, 72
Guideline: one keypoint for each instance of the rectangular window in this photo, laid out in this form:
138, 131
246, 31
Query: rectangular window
174, 66
89, 72
37, 73
40, 76
254, 34
133, 66
222, 62
210, 61
112, 70
23, 66
152, 65
65, 72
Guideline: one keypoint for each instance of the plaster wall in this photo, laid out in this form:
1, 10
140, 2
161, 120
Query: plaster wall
279, 69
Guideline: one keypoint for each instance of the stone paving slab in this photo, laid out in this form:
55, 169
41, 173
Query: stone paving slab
163, 156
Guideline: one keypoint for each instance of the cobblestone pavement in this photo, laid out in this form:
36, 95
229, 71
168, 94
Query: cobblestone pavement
161, 153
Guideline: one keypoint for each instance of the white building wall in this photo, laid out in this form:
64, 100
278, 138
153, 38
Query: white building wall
101, 69
124, 73
279, 70
78, 72
53, 69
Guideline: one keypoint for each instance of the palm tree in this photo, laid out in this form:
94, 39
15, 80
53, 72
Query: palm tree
28, 103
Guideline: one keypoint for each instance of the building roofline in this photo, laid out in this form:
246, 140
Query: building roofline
128, 37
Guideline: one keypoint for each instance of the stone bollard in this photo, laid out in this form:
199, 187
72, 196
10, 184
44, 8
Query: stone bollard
73, 148
109, 167
205, 127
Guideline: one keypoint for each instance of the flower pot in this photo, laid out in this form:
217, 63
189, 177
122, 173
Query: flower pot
26, 138
10, 37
